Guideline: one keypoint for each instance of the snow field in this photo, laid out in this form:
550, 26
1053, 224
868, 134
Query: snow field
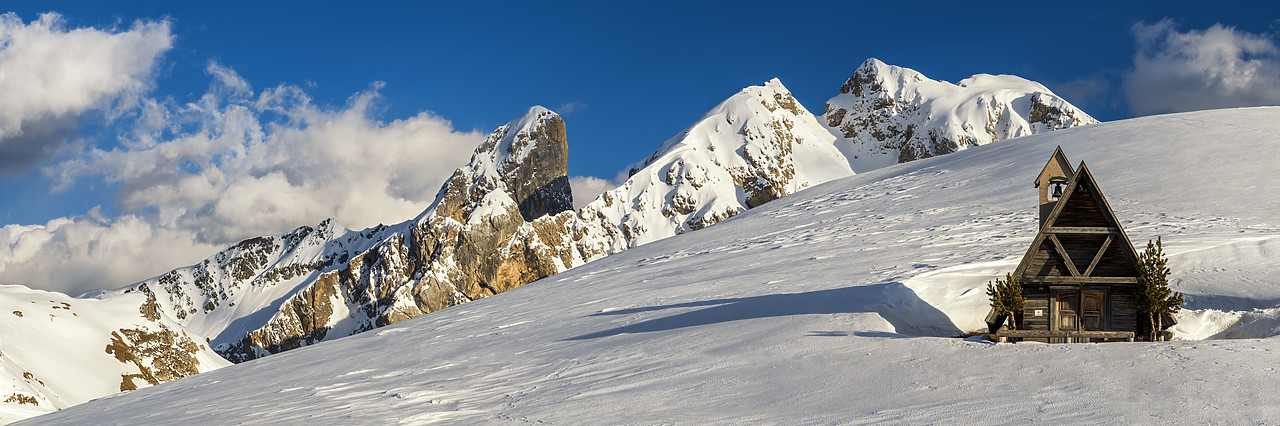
835, 304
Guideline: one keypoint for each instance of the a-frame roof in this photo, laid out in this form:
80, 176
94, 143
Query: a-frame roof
1083, 217
1059, 159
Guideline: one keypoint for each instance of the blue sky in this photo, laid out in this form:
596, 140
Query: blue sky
625, 75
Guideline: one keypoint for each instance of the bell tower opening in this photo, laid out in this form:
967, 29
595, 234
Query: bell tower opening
1057, 185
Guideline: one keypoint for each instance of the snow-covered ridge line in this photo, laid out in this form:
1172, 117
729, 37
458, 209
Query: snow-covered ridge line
268, 294
887, 114
756, 146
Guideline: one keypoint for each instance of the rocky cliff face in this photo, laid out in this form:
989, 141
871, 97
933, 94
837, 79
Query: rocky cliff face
886, 114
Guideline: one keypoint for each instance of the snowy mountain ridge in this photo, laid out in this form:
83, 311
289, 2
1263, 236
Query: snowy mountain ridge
758, 145
888, 114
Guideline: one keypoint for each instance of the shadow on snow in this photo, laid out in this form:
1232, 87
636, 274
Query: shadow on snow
897, 304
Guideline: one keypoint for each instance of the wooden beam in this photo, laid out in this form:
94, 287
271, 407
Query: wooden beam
1078, 280
1004, 335
1098, 257
1057, 245
1082, 230
1031, 333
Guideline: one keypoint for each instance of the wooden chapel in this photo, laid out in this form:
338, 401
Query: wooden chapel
1080, 274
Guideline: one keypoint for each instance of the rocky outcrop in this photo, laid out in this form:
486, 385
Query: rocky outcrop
160, 355
886, 114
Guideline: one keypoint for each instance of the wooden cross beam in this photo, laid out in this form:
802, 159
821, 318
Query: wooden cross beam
1057, 245
1081, 230
1098, 257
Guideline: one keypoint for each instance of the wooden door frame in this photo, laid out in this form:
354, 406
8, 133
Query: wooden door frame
1055, 320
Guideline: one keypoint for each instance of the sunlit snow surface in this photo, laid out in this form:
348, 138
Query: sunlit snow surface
827, 306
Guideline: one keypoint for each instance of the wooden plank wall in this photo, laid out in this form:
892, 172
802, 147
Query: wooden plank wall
1037, 298
1081, 210
1047, 263
1115, 263
1082, 249
1123, 319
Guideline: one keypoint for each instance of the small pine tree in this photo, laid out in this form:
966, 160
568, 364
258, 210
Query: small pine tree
1154, 297
1006, 298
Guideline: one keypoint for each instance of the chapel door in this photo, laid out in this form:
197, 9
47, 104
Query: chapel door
1091, 311
1067, 317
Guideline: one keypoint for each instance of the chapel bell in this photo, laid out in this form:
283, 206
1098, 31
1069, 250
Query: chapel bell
1057, 185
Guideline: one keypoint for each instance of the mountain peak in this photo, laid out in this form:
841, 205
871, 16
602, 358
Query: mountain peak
874, 76
532, 117
874, 66
528, 157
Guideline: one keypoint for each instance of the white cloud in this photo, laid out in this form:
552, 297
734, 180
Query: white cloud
571, 107
237, 164
1218, 67
265, 164
50, 75
587, 188
196, 177
85, 253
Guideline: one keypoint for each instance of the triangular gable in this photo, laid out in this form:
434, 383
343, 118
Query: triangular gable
1086, 222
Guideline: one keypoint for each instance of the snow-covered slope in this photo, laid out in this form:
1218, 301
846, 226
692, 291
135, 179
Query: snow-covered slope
57, 351
817, 308
887, 114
